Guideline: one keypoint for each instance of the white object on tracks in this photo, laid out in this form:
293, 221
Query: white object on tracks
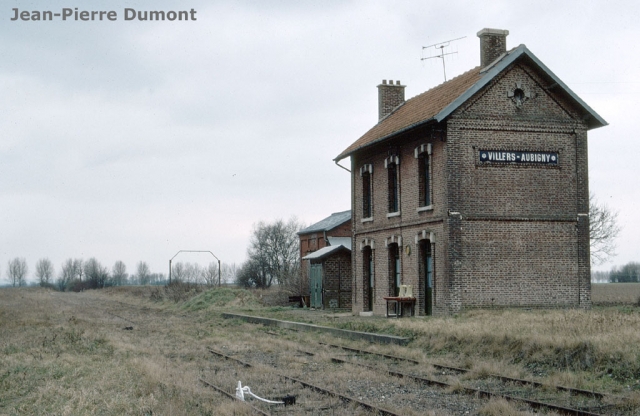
241, 391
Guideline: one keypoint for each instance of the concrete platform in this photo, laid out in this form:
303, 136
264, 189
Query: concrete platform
355, 335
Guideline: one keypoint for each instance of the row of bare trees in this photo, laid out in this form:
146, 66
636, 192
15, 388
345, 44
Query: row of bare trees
209, 275
77, 274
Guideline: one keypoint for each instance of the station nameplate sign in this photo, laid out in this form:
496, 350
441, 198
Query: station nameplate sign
517, 157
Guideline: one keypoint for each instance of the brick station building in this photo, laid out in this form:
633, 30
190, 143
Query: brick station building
476, 192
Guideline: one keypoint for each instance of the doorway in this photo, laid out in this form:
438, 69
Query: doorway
426, 270
394, 270
367, 266
315, 281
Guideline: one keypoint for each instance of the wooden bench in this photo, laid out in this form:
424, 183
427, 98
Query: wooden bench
399, 304
302, 301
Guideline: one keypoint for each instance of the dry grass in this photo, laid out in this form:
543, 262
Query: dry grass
500, 407
62, 353
67, 353
602, 342
597, 349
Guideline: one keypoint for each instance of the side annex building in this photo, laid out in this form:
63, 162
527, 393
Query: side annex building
475, 192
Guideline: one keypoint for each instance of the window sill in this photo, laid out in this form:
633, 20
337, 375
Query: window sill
393, 214
427, 208
370, 219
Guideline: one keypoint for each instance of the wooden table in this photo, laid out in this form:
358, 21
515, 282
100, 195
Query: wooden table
399, 304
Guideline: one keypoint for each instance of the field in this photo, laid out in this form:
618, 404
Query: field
145, 351
615, 293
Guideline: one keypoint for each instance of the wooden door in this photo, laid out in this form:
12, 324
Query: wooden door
315, 280
427, 265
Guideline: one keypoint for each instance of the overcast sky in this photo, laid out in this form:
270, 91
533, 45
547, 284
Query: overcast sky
131, 140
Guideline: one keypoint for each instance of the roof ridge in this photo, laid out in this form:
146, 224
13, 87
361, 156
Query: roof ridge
440, 101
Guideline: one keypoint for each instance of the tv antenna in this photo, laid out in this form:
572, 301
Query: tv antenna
440, 52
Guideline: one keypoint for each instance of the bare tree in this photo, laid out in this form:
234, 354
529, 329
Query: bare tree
177, 274
192, 273
17, 271
229, 272
143, 273
78, 269
71, 274
603, 230
96, 274
156, 278
44, 272
273, 254
119, 273
66, 275
210, 274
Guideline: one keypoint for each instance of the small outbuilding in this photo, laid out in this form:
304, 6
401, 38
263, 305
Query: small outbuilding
325, 251
330, 277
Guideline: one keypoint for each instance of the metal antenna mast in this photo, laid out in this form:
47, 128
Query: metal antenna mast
440, 52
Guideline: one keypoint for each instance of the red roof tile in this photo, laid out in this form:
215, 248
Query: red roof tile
420, 108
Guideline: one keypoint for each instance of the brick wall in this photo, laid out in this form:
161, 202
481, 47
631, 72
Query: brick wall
410, 223
337, 280
311, 242
515, 236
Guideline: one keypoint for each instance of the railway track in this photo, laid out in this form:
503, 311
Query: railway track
478, 392
362, 378
593, 406
570, 390
308, 385
475, 392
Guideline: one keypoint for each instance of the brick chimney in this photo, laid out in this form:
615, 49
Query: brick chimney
389, 97
493, 43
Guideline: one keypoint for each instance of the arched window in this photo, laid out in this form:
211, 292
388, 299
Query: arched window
367, 191
393, 180
423, 154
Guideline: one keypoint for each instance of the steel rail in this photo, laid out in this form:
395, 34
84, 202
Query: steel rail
346, 399
469, 390
232, 396
570, 390
393, 357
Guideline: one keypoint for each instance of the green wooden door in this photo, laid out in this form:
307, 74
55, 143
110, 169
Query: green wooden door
428, 268
315, 281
